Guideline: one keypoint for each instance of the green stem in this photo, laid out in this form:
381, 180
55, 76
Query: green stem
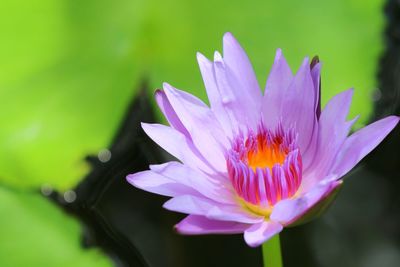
272, 252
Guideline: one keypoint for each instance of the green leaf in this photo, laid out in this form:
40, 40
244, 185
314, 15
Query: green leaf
34, 232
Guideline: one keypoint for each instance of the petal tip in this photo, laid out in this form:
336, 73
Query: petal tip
305, 63
218, 57
145, 125
202, 60
396, 118
259, 233
200, 57
348, 94
390, 122
130, 178
166, 86
158, 91
168, 204
251, 242
393, 120
229, 37
179, 229
278, 54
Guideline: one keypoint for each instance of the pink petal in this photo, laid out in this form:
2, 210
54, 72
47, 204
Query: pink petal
238, 102
309, 154
258, 233
218, 190
360, 143
333, 130
199, 225
316, 77
214, 95
288, 211
204, 129
278, 82
177, 144
298, 107
236, 59
210, 209
158, 184
169, 112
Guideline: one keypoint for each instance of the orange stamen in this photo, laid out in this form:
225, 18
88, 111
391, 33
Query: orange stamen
265, 156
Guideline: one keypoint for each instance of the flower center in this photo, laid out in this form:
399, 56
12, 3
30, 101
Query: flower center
264, 168
265, 155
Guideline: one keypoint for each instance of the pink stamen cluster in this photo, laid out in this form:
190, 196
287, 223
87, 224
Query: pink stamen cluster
280, 171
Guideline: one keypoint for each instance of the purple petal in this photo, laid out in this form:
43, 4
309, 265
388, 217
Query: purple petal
316, 77
218, 190
177, 144
236, 59
158, 184
289, 210
298, 106
204, 129
359, 144
199, 225
169, 112
258, 233
309, 153
213, 93
332, 132
278, 82
210, 209
243, 110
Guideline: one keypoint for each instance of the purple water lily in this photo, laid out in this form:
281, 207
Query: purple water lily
253, 163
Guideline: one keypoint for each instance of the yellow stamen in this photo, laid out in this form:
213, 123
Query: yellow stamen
257, 209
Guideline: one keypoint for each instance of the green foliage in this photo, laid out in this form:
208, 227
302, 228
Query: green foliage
34, 232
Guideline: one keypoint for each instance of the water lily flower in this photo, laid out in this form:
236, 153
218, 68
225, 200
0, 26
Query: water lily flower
250, 162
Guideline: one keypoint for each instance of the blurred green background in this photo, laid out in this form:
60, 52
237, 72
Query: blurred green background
68, 69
